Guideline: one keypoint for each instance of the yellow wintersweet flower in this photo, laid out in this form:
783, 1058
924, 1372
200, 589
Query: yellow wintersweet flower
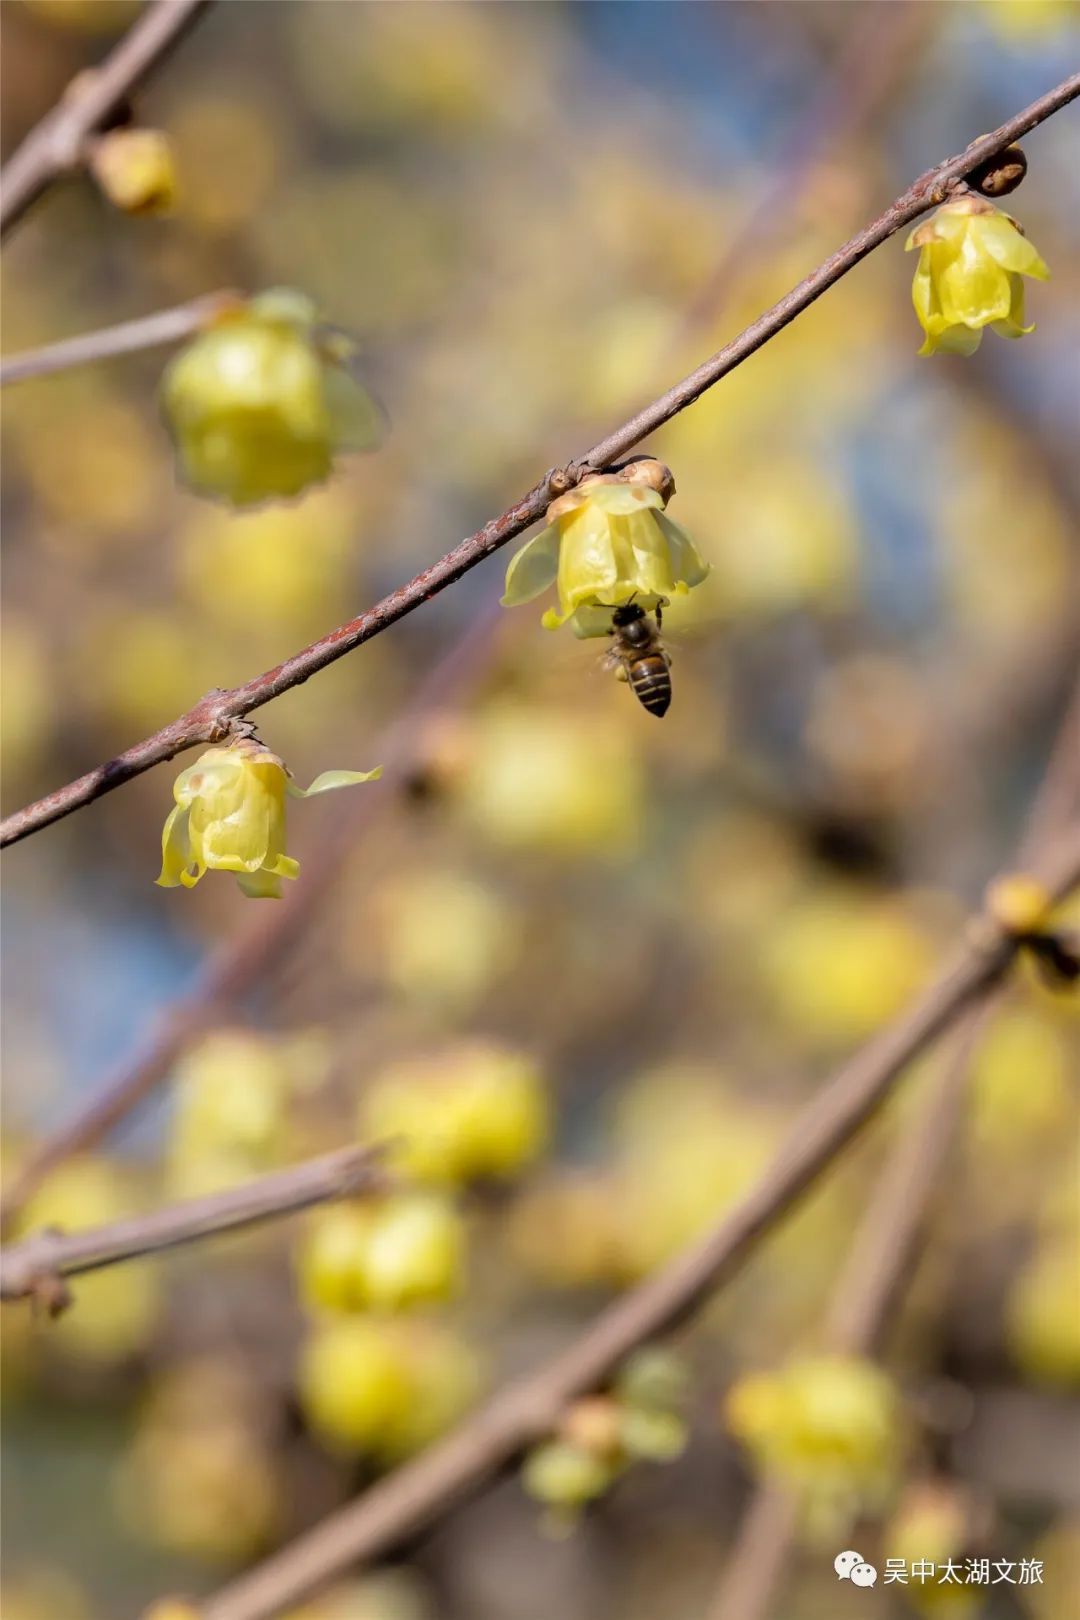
230, 817
972, 257
259, 404
608, 541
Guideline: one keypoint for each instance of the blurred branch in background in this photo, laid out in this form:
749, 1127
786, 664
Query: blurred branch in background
419, 1493
35, 1265
864, 1304
870, 1291
57, 144
147, 332
878, 54
213, 716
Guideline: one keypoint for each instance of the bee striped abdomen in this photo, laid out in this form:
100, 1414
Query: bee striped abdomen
650, 682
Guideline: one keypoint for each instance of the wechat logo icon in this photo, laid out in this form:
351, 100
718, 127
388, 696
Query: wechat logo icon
851, 1566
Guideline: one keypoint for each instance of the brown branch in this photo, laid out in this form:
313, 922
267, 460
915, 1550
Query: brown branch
147, 332
48, 1255
57, 144
211, 718
871, 1287
417, 1494
862, 1309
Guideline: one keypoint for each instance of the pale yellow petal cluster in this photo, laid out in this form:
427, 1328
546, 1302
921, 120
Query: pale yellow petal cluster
261, 402
607, 542
230, 817
972, 260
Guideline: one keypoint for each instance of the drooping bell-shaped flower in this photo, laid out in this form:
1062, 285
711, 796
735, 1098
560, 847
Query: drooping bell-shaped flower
607, 542
261, 402
230, 817
972, 260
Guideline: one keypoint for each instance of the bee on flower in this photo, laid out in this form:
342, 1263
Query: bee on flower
607, 543
261, 402
972, 260
230, 817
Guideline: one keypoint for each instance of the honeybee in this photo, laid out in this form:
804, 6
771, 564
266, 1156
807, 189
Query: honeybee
639, 657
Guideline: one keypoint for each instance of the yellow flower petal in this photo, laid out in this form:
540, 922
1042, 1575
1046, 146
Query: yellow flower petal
533, 568
333, 779
175, 849
1000, 237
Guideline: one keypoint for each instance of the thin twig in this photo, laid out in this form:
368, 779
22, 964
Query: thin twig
420, 1492
57, 144
49, 1254
212, 717
147, 332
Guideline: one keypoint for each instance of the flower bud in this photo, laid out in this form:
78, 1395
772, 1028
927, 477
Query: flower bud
134, 168
1000, 174
565, 1476
1020, 904
594, 1424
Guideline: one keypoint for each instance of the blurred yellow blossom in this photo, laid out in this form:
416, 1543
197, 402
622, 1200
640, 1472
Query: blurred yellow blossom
261, 402
972, 258
386, 1387
607, 542
404, 1251
232, 1090
198, 1477
442, 937
26, 688
549, 781
135, 170
230, 817
1021, 1092
840, 961
227, 149
287, 566
115, 1310
827, 1427
470, 1110
1043, 1314
933, 1522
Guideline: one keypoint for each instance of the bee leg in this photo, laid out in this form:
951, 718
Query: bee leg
621, 673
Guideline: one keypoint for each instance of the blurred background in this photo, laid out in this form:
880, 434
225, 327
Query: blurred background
534, 218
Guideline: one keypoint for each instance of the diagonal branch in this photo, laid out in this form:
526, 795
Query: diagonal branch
48, 1255
862, 1308
146, 332
211, 718
416, 1495
56, 145
871, 1287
